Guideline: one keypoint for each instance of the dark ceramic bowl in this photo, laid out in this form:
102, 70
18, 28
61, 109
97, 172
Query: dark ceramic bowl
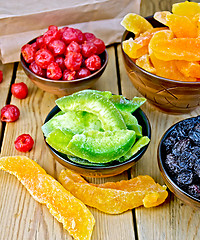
168, 178
105, 171
166, 94
60, 87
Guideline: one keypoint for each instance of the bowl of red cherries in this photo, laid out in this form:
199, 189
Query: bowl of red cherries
63, 61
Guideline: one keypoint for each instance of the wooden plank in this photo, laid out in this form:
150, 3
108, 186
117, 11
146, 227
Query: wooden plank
173, 219
148, 8
24, 218
5, 86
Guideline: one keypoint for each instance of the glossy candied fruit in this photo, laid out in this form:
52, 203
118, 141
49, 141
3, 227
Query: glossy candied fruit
145, 63
54, 71
188, 69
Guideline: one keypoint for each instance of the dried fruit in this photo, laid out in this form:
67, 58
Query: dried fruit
145, 63
82, 73
24, 143
1, 76
37, 69
9, 113
93, 63
73, 61
28, 53
43, 58
69, 75
54, 71
88, 49
188, 69
73, 47
57, 47
115, 198
19, 90
71, 212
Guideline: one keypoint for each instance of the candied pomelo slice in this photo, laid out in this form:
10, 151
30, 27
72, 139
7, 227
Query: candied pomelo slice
189, 69
145, 63
116, 197
59, 139
132, 123
135, 23
77, 121
108, 114
106, 94
70, 211
188, 9
143, 141
182, 26
165, 48
124, 104
101, 147
168, 69
161, 16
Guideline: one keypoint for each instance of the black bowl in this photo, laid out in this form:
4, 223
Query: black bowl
105, 171
168, 177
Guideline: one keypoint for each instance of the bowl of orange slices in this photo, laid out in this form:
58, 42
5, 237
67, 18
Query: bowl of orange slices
162, 56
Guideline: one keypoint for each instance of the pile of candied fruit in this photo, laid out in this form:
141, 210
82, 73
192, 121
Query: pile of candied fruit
171, 51
64, 54
182, 155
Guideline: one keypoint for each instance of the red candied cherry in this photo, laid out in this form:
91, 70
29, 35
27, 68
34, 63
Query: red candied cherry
28, 53
19, 90
71, 34
37, 69
73, 47
24, 143
61, 63
51, 35
73, 61
61, 31
40, 42
54, 71
88, 49
100, 45
9, 113
69, 75
53, 28
93, 63
57, 47
35, 47
89, 36
83, 72
43, 58
1, 76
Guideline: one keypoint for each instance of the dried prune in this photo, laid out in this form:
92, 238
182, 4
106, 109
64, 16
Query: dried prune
185, 178
194, 190
180, 146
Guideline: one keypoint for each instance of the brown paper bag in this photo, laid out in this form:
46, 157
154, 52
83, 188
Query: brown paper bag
23, 20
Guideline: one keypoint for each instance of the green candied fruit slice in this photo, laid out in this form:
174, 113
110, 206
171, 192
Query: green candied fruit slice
59, 140
124, 104
110, 117
85, 162
132, 123
77, 121
101, 147
106, 94
143, 141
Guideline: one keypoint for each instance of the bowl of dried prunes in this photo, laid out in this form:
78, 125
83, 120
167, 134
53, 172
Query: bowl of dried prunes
179, 160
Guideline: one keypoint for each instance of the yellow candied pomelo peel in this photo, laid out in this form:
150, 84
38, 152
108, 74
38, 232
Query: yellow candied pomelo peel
67, 209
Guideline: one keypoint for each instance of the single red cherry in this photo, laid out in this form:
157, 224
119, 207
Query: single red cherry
19, 90
9, 113
24, 143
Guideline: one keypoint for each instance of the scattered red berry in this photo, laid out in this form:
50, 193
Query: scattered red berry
37, 69
73, 47
1, 76
60, 61
19, 90
43, 58
89, 36
9, 113
24, 143
73, 61
69, 75
100, 45
54, 71
28, 53
93, 63
82, 73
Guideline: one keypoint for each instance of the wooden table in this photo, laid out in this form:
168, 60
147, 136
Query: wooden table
22, 218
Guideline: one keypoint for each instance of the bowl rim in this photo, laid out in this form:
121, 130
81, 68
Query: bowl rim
96, 168
151, 74
162, 167
23, 63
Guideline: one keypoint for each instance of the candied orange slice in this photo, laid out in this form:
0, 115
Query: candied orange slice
188, 9
117, 197
165, 48
145, 63
67, 209
168, 69
182, 26
161, 16
189, 69
135, 23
